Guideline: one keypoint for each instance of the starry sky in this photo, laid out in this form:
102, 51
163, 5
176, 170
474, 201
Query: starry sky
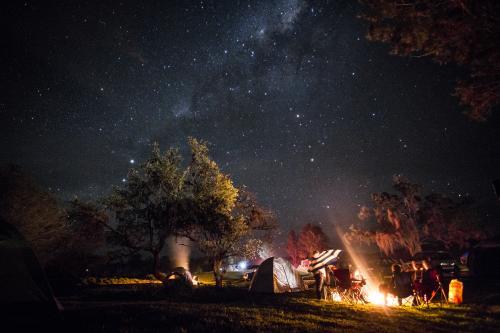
297, 105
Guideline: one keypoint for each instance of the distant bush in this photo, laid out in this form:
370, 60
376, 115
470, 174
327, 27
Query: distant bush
150, 277
162, 276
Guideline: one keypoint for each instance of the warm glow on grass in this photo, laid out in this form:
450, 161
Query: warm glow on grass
118, 281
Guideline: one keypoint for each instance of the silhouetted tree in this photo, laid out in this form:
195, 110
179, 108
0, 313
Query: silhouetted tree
462, 32
311, 239
34, 212
404, 221
258, 217
87, 223
452, 223
262, 223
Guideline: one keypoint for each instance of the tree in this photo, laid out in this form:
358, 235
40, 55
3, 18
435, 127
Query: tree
82, 246
292, 248
87, 221
403, 222
311, 239
463, 32
258, 217
454, 224
34, 211
221, 225
149, 207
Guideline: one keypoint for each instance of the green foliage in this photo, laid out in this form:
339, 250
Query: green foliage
212, 191
148, 208
215, 229
161, 199
463, 32
222, 225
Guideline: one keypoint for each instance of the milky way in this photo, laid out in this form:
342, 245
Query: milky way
297, 105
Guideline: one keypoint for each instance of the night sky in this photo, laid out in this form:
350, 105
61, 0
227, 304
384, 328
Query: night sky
297, 104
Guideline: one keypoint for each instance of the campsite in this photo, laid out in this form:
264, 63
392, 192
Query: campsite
250, 166
276, 299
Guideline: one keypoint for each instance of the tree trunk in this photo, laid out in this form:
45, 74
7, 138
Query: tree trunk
217, 265
156, 265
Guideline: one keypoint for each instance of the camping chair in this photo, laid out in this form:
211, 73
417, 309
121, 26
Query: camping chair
427, 288
348, 290
357, 291
403, 287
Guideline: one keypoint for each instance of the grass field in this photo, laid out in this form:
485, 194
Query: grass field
149, 309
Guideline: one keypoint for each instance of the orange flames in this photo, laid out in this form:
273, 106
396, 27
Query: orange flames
371, 289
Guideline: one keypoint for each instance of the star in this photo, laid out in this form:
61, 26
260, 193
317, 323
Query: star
235, 77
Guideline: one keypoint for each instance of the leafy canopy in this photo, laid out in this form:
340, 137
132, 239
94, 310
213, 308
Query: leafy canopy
462, 32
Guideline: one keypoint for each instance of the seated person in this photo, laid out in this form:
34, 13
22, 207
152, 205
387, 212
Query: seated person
400, 286
429, 282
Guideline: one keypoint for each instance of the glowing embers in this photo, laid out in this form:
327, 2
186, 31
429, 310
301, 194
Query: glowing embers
370, 296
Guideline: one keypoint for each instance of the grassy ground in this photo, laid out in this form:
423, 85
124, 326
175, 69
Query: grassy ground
150, 309
118, 280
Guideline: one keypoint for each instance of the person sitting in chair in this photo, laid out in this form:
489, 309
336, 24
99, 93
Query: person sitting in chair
430, 281
400, 286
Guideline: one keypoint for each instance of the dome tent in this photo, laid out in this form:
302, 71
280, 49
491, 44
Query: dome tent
276, 275
26, 298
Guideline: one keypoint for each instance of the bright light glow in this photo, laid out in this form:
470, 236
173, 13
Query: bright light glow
377, 298
132, 161
336, 297
180, 251
371, 289
242, 265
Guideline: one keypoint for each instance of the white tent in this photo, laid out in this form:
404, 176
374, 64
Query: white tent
276, 275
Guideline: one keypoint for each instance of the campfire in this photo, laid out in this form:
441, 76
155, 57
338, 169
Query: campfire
377, 298
369, 290
364, 291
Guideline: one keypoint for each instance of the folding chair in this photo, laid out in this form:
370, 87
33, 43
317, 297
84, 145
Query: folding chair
428, 288
342, 284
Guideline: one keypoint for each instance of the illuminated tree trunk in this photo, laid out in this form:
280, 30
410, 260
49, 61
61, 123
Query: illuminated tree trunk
156, 265
217, 267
